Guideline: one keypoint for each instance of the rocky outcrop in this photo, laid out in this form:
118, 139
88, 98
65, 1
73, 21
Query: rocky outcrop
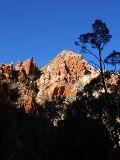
30, 67
17, 84
65, 75
26, 97
6, 72
28, 104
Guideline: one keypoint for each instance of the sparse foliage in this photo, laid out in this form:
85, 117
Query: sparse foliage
97, 39
113, 58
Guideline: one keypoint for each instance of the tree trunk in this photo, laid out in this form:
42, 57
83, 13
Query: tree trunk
110, 106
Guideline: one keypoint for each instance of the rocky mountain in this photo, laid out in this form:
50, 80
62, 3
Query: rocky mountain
64, 76
28, 86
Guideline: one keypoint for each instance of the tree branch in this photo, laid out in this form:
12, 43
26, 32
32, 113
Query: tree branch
88, 51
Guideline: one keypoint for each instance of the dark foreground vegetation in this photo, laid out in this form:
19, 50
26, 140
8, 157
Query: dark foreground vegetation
29, 137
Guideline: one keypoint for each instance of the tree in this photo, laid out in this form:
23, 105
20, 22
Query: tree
113, 59
97, 40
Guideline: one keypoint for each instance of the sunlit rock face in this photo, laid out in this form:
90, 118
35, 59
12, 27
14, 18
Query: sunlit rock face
29, 66
17, 86
65, 75
6, 71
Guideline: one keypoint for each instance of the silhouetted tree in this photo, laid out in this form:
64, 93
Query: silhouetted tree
113, 59
97, 40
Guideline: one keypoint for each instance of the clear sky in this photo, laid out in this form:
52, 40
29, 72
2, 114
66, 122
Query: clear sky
43, 28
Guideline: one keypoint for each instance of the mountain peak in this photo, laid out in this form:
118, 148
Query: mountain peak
66, 53
64, 74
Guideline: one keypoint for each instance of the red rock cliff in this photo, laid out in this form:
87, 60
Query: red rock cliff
65, 75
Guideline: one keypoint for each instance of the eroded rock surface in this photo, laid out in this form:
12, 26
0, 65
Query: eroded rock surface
17, 84
65, 75
29, 66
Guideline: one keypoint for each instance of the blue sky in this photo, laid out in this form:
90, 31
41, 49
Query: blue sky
43, 28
